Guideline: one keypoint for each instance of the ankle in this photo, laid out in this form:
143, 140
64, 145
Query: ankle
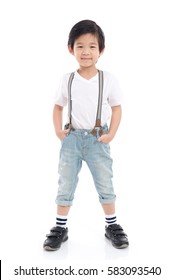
61, 220
110, 219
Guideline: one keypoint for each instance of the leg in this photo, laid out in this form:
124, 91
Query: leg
70, 164
109, 209
100, 165
69, 167
63, 210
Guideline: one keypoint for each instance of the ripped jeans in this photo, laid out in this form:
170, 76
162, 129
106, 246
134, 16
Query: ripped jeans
78, 146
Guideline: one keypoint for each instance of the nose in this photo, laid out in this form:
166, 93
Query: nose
86, 51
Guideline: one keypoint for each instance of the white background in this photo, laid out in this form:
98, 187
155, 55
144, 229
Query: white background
139, 51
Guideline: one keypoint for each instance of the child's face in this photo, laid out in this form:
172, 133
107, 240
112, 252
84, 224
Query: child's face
86, 50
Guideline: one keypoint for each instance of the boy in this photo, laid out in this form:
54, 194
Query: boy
91, 95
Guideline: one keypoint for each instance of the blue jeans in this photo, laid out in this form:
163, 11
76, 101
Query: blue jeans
79, 145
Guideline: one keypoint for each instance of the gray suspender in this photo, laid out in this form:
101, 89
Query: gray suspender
99, 109
69, 98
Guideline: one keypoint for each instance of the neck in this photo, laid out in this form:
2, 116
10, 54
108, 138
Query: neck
87, 73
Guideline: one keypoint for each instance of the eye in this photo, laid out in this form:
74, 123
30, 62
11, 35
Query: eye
93, 47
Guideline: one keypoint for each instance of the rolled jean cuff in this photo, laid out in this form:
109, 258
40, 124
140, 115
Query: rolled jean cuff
64, 203
107, 201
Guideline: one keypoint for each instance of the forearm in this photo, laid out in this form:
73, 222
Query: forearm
114, 124
115, 120
57, 118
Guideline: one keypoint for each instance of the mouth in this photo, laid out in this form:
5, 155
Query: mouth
86, 58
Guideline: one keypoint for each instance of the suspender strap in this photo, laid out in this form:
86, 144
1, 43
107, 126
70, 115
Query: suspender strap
69, 98
100, 98
97, 130
99, 108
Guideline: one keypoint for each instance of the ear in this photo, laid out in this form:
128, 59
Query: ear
70, 50
102, 52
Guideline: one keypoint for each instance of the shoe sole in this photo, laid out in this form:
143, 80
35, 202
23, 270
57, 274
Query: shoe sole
123, 246
48, 248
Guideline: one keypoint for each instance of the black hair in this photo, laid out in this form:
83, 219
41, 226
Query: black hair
84, 27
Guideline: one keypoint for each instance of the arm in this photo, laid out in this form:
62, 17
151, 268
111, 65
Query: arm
114, 124
57, 121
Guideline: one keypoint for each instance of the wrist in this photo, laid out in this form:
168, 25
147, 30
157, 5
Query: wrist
111, 135
58, 132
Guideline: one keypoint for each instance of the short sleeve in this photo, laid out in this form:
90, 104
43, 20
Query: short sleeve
61, 96
115, 95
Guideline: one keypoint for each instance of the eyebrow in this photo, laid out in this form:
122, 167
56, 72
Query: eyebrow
91, 43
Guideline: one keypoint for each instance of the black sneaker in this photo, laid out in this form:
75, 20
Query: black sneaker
55, 238
117, 236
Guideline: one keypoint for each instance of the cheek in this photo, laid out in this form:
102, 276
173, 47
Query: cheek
76, 53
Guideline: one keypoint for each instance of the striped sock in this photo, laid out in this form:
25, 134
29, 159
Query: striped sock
61, 221
110, 219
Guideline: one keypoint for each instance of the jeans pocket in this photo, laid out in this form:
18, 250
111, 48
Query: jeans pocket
64, 139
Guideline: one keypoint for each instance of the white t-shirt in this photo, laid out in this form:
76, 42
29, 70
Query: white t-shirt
84, 95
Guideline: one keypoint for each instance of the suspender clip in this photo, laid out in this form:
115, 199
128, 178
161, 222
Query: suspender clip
97, 131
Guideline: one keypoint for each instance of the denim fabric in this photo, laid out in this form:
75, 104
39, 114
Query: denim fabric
79, 145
